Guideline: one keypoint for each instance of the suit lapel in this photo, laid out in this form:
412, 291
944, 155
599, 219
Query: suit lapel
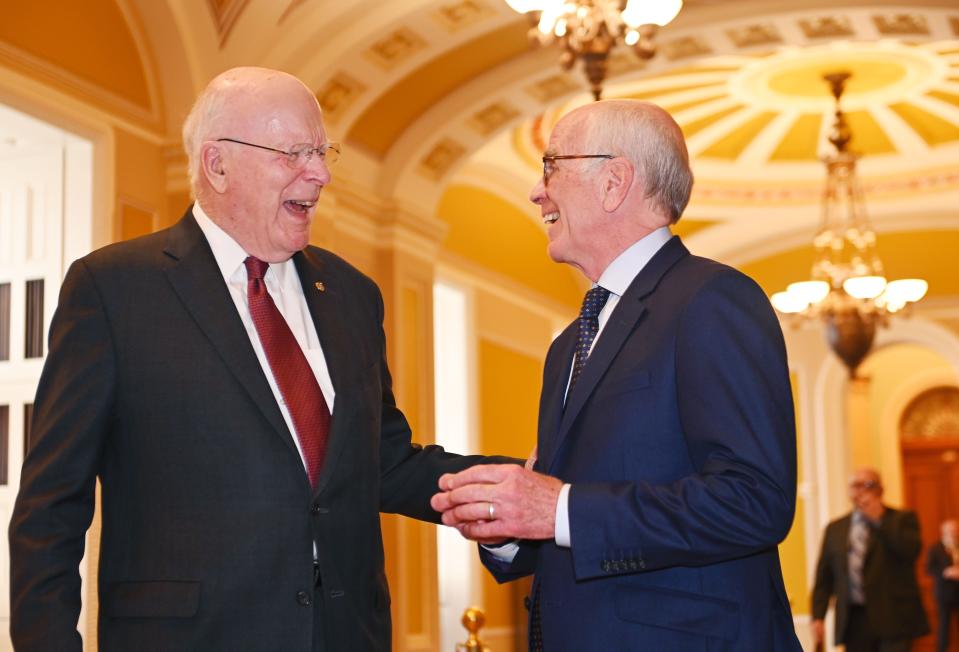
622, 322
555, 378
325, 298
198, 282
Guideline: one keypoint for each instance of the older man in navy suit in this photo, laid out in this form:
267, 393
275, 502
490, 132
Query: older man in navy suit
666, 474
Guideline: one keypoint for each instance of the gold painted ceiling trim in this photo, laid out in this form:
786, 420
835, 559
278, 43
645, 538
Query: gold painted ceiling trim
86, 91
225, 14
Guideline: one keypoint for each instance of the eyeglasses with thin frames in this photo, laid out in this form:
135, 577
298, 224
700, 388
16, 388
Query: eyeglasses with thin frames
299, 155
549, 162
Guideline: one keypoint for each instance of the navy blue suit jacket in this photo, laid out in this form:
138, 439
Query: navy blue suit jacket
679, 442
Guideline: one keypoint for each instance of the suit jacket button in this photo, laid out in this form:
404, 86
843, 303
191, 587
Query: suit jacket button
304, 598
642, 564
314, 509
633, 565
604, 565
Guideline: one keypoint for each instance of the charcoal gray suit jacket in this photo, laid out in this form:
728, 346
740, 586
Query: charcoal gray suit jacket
208, 520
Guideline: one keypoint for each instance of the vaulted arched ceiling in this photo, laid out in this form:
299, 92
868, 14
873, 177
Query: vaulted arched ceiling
430, 95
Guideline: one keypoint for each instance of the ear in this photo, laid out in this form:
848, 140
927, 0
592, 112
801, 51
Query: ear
616, 183
213, 167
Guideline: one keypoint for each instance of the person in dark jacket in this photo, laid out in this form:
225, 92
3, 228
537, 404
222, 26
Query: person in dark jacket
942, 564
868, 564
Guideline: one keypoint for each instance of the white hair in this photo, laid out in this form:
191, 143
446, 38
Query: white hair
649, 137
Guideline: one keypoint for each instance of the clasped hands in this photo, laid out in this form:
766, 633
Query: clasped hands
491, 503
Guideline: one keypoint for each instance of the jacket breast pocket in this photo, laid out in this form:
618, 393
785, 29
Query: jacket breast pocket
152, 599
633, 382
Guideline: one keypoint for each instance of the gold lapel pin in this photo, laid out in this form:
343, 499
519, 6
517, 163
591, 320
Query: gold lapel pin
319, 286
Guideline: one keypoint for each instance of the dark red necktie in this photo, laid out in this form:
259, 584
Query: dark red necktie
293, 375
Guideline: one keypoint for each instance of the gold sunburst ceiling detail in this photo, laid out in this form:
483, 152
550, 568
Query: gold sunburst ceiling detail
900, 98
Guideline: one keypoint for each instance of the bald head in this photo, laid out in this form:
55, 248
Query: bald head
246, 138
865, 492
649, 137
867, 477
233, 103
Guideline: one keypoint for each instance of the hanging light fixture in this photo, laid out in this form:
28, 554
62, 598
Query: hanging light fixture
590, 29
848, 289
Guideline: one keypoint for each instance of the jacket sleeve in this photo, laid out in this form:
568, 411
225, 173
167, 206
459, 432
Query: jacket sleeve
55, 503
825, 582
410, 472
934, 562
523, 564
735, 407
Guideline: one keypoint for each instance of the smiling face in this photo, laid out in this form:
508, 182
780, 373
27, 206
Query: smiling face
259, 200
571, 202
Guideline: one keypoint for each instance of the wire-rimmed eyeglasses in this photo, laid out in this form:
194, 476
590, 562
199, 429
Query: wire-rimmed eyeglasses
299, 155
550, 159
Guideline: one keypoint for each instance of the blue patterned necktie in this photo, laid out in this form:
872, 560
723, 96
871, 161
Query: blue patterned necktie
588, 326
858, 542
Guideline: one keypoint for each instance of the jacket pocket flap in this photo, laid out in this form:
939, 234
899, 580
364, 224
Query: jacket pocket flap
632, 382
686, 612
159, 599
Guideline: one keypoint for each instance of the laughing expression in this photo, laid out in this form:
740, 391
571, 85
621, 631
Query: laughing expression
271, 204
567, 201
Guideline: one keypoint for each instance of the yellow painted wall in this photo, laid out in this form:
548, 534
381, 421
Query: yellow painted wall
891, 370
140, 185
509, 387
926, 254
792, 551
491, 232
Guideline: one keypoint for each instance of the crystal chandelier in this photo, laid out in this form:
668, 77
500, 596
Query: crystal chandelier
590, 29
848, 290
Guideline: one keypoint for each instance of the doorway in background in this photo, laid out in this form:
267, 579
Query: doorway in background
46, 189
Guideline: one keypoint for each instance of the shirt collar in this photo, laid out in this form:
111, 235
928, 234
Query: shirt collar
228, 253
626, 266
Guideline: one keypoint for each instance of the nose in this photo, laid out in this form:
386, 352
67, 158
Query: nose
538, 194
317, 171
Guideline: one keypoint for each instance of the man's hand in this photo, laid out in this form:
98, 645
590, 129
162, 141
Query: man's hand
951, 573
873, 509
523, 502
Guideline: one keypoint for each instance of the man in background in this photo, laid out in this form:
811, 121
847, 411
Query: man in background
666, 471
942, 565
228, 386
868, 564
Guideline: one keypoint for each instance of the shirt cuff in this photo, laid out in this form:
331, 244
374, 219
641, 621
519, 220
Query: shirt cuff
504, 552
562, 518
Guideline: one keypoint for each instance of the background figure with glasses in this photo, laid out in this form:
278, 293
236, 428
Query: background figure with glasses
227, 384
942, 565
868, 564
666, 469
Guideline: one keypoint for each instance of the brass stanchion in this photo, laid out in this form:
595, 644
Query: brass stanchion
472, 620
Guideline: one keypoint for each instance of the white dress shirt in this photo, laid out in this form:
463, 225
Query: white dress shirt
283, 284
615, 278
